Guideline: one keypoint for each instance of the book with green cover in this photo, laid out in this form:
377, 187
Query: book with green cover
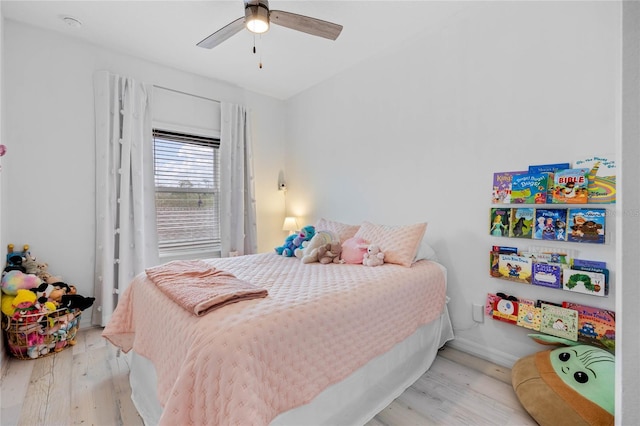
559, 321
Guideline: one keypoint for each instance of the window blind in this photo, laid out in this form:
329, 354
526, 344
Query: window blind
187, 183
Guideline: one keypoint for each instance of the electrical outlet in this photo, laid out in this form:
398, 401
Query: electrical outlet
477, 311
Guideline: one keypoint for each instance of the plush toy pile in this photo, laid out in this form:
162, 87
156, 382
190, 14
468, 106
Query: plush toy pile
311, 246
40, 312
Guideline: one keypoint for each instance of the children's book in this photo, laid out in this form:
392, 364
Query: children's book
529, 316
494, 257
551, 169
521, 222
551, 224
602, 177
515, 268
559, 321
500, 221
494, 270
556, 255
583, 263
490, 303
592, 266
502, 186
570, 186
529, 188
587, 225
506, 310
587, 282
546, 275
596, 326
505, 249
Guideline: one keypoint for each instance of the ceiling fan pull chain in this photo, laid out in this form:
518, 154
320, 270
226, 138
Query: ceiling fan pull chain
254, 44
260, 41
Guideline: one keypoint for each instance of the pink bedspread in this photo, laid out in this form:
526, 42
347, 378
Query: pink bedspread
247, 362
200, 288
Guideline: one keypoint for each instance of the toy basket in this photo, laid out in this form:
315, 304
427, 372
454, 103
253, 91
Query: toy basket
32, 336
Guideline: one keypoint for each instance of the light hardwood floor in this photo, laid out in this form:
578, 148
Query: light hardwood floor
88, 385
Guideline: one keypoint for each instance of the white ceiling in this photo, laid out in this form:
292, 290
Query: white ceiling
166, 32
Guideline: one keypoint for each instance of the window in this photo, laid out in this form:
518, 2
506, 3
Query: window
187, 179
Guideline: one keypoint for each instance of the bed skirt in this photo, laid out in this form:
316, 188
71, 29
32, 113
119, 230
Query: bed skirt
352, 401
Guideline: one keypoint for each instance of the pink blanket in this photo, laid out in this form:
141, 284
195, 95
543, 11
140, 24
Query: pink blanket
200, 288
247, 362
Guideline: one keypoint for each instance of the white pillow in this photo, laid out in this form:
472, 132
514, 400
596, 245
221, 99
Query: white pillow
425, 251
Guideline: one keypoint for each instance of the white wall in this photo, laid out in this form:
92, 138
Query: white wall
3, 354
416, 133
48, 184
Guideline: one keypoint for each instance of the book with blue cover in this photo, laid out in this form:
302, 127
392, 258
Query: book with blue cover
546, 275
587, 225
550, 224
550, 169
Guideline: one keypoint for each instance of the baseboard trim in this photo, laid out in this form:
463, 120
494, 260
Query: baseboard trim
489, 354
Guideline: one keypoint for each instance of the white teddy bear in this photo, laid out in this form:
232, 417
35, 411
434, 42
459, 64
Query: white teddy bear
373, 256
309, 251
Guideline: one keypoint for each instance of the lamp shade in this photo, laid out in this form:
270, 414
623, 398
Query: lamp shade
290, 224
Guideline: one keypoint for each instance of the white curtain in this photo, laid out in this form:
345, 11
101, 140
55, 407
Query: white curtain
238, 230
126, 240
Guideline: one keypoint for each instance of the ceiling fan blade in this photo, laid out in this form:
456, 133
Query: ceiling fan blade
313, 26
222, 34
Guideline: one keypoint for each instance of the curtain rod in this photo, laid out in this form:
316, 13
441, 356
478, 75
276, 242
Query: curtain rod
185, 93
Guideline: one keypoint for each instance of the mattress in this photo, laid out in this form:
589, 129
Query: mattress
260, 361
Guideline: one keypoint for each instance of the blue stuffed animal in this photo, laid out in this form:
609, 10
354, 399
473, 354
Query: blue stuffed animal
293, 241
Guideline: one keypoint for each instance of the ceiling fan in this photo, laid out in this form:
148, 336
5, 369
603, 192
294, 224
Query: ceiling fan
258, 17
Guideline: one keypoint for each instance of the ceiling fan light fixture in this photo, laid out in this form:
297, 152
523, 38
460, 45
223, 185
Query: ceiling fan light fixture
257, 18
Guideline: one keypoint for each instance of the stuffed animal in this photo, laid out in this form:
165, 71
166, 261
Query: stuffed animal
575, 383
287, 246
330, 253
76, 301
50, 292
24, 304
16, 280
353, 250
308, 253
294, 241
373, 256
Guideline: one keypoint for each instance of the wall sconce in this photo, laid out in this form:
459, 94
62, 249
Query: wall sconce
290, 224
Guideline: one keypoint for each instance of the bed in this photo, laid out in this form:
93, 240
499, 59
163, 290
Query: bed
329, 344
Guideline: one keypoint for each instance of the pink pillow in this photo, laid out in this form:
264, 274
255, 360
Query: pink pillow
353, 250
342, 230
398, 243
